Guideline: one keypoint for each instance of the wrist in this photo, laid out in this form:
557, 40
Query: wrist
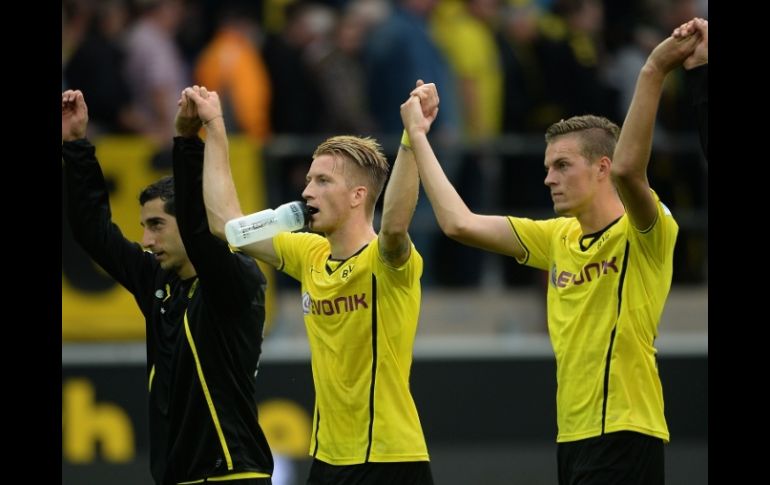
187, 127
205, 123
405, 141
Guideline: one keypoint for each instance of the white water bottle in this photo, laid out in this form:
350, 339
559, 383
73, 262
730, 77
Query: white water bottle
266, 224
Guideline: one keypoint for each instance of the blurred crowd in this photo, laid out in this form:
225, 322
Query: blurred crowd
316, 68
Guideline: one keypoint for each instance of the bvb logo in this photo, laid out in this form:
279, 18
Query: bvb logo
346, 272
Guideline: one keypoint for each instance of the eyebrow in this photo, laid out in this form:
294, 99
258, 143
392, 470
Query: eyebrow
152, 220
546, 163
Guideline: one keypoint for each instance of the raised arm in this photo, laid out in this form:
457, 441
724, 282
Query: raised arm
403, 189
219, 192
492, 233
632, 153
88, 206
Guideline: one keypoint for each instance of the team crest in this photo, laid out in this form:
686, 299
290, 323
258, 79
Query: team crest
346, 272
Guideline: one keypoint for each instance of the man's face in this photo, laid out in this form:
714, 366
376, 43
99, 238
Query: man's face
569, 176
327, 194
161, 236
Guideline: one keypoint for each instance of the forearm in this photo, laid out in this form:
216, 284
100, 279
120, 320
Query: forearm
401, 194
90, 219
87, 201
188, 167
634, 146
219, 194
447, 204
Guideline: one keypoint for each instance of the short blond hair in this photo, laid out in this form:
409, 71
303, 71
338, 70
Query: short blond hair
366, 154
597, 134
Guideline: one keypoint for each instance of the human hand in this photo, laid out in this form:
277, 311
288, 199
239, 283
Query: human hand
700, 56
429, 100
412, 116
187, 121
672, 52
207, 103
74, 115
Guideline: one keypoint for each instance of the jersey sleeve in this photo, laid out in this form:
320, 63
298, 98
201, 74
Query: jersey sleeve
657, 242
536, 237
292, 249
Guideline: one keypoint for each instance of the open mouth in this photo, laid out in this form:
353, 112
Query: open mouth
312, 210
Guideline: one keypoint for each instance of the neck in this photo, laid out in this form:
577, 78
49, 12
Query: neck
187, 271
601, 213
347, 240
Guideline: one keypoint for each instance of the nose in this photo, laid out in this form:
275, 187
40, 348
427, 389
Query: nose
307, 193
549, 179
148, 240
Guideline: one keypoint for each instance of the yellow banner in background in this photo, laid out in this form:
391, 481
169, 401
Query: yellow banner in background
94, 307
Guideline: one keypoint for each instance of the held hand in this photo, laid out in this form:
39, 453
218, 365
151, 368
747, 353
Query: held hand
701, 54
187, 122
74, 115
429, 100
412, 116
671, 53
207, 104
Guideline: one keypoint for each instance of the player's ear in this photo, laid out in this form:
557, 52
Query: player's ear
358, 196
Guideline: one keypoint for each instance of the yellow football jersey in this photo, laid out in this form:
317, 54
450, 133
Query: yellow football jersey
361, 319
606, 295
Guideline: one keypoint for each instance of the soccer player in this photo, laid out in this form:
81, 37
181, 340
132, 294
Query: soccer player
204, 309
610, 259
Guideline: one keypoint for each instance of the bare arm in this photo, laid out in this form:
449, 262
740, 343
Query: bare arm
632, 153
219, 192
402, 191
492, 233
398, 208
700, 55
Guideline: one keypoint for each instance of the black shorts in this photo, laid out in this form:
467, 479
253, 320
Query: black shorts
402, 473
622, 457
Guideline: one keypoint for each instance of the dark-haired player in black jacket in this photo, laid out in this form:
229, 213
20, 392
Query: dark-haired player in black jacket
204, 308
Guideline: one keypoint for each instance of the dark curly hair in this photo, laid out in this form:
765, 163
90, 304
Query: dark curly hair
162, 189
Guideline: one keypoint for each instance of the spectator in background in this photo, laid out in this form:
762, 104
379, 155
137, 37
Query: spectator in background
466, 33
204, 309
232, 64
75, 22
296, 106
398, 51
96, 68
610, 260
154, 68
341, 77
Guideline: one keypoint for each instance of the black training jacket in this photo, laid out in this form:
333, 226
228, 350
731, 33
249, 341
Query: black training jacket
204, 335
